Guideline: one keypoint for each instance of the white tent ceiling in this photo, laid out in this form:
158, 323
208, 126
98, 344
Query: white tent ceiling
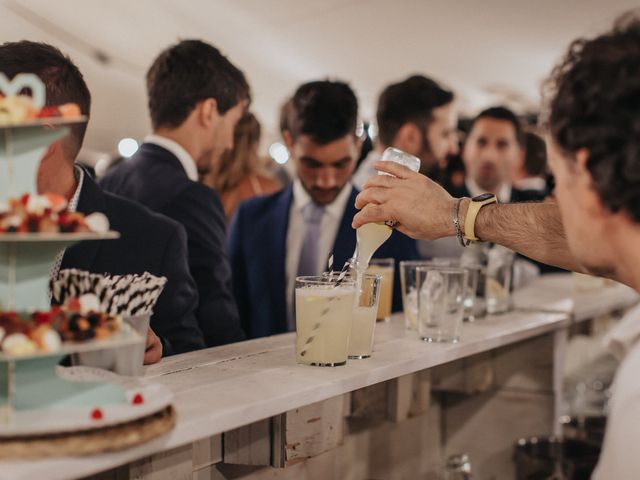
487, 51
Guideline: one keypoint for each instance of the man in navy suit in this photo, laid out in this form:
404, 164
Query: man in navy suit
148, 242
293, 232
196, 96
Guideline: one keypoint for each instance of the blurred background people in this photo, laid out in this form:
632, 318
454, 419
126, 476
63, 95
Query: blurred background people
417, 116
492, 150
294, 232
241, 173
532, 173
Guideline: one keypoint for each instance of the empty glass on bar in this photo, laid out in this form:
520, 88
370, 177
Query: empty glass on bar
473, 308
410, 291
498, 281
324, 311
385, 268
364, 317
441, 294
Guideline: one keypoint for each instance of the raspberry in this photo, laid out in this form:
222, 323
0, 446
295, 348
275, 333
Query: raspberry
96, 414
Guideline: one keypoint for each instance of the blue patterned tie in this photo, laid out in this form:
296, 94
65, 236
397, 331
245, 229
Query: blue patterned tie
308, 262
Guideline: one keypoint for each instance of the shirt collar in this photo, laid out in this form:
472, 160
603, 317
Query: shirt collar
336, 208
73, 203
532, 183
625, 335
504, 195
188, 163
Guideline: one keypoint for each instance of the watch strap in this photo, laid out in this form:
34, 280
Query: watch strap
472, 213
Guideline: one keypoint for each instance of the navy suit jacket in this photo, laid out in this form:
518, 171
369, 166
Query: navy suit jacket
148, 243
258, 242
155, 178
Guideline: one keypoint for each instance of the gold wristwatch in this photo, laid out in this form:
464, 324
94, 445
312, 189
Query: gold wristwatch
472, 212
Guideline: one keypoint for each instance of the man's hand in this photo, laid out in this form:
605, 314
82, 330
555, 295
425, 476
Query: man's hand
421, 207
153, 348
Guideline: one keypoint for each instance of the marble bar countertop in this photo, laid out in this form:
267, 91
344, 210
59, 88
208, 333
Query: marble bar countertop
581, 297
223, 388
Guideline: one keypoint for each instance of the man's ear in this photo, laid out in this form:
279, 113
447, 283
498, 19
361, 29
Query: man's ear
409, 138
207, 112
584, 187
288, 139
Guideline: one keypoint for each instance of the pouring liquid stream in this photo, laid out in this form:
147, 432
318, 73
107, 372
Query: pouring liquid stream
369, 237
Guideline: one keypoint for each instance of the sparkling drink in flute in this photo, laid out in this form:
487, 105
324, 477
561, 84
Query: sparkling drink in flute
324, 313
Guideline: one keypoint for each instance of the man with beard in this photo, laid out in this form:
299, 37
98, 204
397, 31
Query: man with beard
291, 233
416, 116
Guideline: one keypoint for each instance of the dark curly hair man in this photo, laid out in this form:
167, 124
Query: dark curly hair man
594, 153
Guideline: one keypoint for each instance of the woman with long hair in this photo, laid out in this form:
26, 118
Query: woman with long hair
241, 173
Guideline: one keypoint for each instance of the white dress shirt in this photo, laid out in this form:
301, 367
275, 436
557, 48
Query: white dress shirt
188, 163
538, 184
329, 225
504, 195
619, 458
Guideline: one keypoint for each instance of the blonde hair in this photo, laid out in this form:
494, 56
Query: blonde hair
240, 162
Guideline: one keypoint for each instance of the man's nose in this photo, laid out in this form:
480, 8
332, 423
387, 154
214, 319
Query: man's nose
326, 178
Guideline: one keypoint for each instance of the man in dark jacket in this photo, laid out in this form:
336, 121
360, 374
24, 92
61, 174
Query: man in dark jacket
196, 96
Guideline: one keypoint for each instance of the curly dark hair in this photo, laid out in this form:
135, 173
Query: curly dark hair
596, 106
325, 110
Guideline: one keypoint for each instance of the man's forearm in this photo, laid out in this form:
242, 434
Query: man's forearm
531, 229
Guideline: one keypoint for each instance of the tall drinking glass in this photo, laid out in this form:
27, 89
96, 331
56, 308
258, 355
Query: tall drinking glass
396, 155
324, 312
385, 268
473, 307
441, 293
498, 282
364, 317
410, 291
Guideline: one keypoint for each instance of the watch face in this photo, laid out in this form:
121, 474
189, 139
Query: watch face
482, 197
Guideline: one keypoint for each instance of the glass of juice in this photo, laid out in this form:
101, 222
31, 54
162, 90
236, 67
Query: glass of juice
364, 317
324, 311
385, 268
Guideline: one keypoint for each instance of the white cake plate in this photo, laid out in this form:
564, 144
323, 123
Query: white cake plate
21, 148
25, 264
69, 418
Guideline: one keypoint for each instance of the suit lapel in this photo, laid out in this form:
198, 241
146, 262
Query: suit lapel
83, 255
345, 242
277, 246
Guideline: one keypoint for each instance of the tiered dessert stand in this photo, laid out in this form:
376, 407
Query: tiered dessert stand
36, 396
